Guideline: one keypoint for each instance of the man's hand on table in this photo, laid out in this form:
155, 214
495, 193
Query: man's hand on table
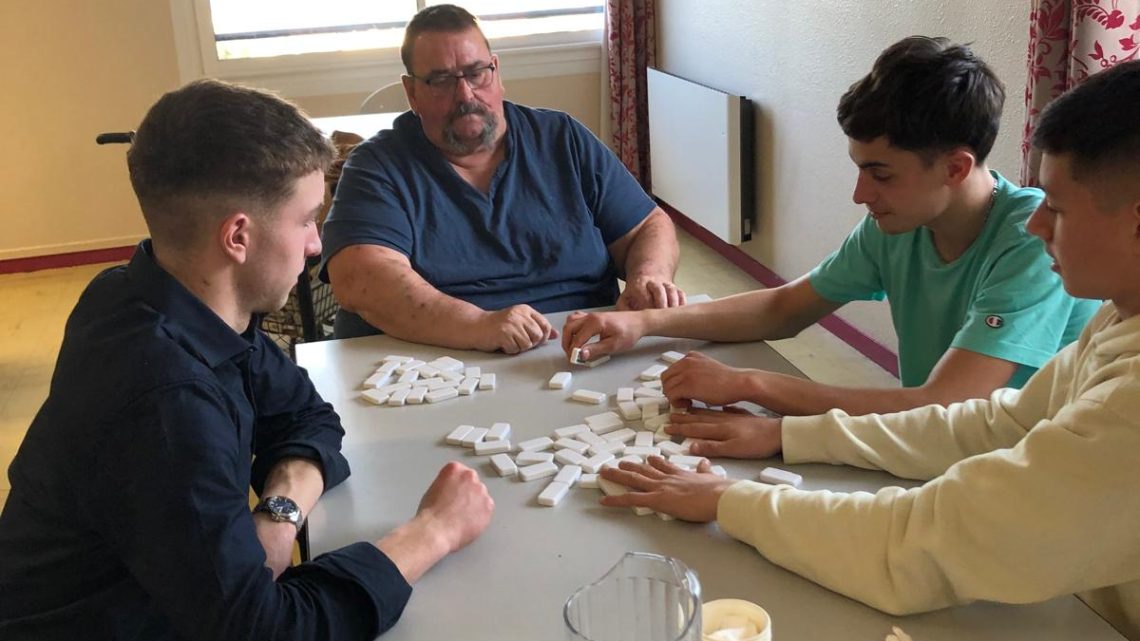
699, 377
457, 505
728, 434
616, 332
664, 487
650, 292
512, 330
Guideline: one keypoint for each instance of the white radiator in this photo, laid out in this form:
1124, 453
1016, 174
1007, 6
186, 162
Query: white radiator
701, 157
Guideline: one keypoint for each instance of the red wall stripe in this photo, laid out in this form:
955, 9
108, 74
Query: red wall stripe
73, 259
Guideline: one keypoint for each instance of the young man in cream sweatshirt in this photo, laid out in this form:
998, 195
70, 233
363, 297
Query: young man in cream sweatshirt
1031, 494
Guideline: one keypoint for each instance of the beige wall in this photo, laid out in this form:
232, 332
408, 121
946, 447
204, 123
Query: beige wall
89, 67
795, 60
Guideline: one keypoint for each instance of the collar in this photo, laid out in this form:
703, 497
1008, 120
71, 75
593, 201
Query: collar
184, 315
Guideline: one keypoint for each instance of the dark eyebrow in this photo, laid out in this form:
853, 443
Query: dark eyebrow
874, 164
452, 72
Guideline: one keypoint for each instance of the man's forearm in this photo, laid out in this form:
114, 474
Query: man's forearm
422, 314
653, 251
297, 478
794, 396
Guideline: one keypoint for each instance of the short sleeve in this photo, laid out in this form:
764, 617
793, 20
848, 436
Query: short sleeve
367, 208
853, 271
1021, 310
613, 195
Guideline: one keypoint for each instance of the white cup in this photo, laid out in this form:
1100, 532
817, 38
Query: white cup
735, 620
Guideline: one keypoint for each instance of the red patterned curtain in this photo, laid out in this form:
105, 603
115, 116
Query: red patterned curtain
631, 40
1068, 41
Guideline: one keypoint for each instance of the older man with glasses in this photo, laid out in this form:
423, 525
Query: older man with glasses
472, 217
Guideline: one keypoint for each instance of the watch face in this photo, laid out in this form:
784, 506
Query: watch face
280, 505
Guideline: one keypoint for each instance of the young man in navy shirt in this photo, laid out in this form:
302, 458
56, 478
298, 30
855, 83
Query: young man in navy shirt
128, 516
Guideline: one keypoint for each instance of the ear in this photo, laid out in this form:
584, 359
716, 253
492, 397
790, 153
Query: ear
410, 91
234, 236
498, 71
959, 163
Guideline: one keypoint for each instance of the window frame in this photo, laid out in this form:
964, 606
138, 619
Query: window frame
343, 72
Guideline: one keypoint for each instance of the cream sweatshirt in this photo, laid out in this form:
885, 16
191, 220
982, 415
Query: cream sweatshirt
1032, 494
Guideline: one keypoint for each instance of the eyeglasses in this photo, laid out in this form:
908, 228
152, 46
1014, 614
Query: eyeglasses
443, 84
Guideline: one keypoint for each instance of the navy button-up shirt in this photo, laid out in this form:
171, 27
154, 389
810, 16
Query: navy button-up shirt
129, 516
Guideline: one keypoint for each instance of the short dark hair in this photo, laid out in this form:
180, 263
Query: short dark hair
1096, 123
211, 148
926, 96
440, 18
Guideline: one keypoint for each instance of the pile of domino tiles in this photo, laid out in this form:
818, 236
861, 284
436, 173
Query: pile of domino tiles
404, 380
575, 454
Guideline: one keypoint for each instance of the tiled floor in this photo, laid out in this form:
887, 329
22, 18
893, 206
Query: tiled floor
36, 306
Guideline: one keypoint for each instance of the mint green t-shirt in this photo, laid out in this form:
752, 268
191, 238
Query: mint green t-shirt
1000, 298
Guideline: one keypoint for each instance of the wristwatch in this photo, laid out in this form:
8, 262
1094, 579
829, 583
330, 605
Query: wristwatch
281, 508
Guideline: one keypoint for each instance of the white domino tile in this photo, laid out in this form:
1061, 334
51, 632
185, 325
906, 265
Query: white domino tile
447, 364
486, 382
665, 517
504, 465
409, 377
559, 380
528, 457
473, 372
643, 439
641, 451
376, 397
604, 422
393, 387
456, 436
409, 366
624, 435
553, 494
594, 464
474, 436
398, 397
654, 384
652, 372
396, 358
576, 358
672, 357
439, 383
669, 448
609, 447
498, 432
571, 444
451, 375
568, 475
624, 394
590, 438
378, 379
631, 458
442, 394
467, 387
427, 371
655, 422
650, 410
610, 488
416, 395
776, 476
538, 471
629, 411
648, 392
588, 396
537, 444
571, 431
588, 481
485, 447
569, 457
641, 511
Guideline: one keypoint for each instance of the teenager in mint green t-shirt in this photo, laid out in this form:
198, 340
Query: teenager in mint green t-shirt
999, 298
975, 304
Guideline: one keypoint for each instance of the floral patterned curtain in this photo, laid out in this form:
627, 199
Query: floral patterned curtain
631, 41
1068, 41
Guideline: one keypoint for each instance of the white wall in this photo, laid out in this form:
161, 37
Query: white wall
794, 60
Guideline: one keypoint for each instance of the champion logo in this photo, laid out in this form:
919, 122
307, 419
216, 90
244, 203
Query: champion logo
994, 321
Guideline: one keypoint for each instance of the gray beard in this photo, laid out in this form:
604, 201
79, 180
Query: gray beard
462, 147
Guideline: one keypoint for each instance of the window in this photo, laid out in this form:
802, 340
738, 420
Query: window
307, 47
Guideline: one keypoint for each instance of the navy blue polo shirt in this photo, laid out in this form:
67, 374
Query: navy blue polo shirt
129, 517
539, 236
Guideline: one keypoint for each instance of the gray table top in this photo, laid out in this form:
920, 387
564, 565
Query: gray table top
511, 583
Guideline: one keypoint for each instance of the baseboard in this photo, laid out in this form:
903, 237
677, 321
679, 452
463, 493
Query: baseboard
878, 353
69, 259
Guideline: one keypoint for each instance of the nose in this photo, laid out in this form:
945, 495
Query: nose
313, 243
1040, 223
864, 191
463, 90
